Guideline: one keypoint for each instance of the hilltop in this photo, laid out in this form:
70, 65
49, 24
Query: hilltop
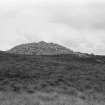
40, 48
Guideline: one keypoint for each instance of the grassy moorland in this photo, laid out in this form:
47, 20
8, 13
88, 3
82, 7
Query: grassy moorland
52, 80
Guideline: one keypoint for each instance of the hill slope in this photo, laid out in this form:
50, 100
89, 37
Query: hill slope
44, 72
41, 48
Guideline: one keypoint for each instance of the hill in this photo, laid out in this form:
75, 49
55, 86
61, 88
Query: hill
39, 72
66, 79
40, 48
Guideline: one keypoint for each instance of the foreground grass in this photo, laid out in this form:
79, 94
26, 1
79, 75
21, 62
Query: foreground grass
46, 98
47, 80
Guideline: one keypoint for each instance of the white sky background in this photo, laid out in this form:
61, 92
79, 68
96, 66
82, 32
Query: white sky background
77, 24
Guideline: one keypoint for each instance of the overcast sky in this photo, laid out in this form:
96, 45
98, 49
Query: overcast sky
77, 24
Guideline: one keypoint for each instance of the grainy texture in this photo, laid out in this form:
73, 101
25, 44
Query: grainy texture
42, 98
76, 80
41, 48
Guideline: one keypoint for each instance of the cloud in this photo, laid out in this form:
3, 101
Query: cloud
77, 24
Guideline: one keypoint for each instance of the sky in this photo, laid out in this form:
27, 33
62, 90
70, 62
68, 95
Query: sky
76, 24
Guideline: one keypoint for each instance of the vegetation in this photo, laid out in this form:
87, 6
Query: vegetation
52, 79
31, 73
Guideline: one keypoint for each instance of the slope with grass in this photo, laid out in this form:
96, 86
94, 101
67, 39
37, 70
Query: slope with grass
42, 72
66, 79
